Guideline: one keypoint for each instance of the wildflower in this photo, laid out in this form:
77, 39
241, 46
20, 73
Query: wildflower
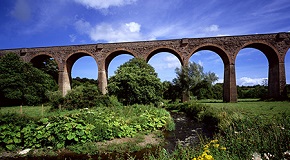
214, 141
223, 148
208, 157
216, 145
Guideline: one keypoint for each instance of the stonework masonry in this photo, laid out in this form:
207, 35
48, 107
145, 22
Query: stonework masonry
274, 46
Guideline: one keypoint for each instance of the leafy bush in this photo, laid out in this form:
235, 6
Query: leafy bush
21, 83
83, 96
78, 127
136, 82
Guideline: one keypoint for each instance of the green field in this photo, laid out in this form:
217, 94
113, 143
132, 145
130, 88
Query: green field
244, 106
252, 106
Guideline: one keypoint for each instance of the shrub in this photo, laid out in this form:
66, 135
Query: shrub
84, 96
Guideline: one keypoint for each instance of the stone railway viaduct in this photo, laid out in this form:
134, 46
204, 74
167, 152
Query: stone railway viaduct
274, 46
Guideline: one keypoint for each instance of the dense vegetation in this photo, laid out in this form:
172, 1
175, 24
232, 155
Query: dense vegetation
136, 82
21, 83
192, 81
80, 126
85, 116
242, 130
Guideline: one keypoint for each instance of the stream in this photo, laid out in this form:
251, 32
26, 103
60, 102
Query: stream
187, 133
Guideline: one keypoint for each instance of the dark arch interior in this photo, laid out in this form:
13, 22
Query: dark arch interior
47, 64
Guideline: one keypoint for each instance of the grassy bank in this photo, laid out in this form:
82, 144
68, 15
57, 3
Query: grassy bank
242, 130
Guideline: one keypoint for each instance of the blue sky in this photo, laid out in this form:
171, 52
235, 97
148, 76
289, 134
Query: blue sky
36, 23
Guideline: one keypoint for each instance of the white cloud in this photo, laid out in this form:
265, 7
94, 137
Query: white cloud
133, 26
247, 81
200, 62
109, 33
171, 62
222, 35
83, 26
212, 28
104, 4
21, 10
72, 37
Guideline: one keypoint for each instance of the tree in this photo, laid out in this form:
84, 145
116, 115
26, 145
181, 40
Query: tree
192, 79
50, 67
136, 82
21, 83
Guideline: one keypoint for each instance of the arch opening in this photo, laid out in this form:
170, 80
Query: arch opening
164, 50
287, 72
47, 64
252, 72
212, 60
165, 64
82, 68
115, 60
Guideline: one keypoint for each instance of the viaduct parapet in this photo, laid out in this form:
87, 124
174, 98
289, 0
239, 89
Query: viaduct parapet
274, 46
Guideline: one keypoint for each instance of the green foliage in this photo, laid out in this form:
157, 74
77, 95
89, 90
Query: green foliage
135, 82
192, 79
20, 83
257, 91
80, 127
86, 96
83, 81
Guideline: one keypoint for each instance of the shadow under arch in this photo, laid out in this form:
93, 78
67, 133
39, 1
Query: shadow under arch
274, 90
164, 49
41, 60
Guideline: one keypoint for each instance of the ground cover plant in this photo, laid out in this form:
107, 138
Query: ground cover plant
242, 130
79, 126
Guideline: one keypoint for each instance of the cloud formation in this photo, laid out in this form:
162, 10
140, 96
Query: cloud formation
104, 4
212, 28
247, 81
21, 10
107, 32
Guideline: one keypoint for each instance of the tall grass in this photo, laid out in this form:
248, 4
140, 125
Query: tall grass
243, 128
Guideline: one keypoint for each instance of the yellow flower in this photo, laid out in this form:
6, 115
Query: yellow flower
216, 145
194, 159
208, 157
223, 148
206, 151
214, 141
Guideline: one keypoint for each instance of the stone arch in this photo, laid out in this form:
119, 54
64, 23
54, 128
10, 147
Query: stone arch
229, 85
114, 54
65, 72
269, 51
72, 58
38, 59
215, 48
35, 59
164, 49
275, 89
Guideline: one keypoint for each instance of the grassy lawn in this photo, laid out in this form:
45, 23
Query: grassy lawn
32, 111
252, 107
